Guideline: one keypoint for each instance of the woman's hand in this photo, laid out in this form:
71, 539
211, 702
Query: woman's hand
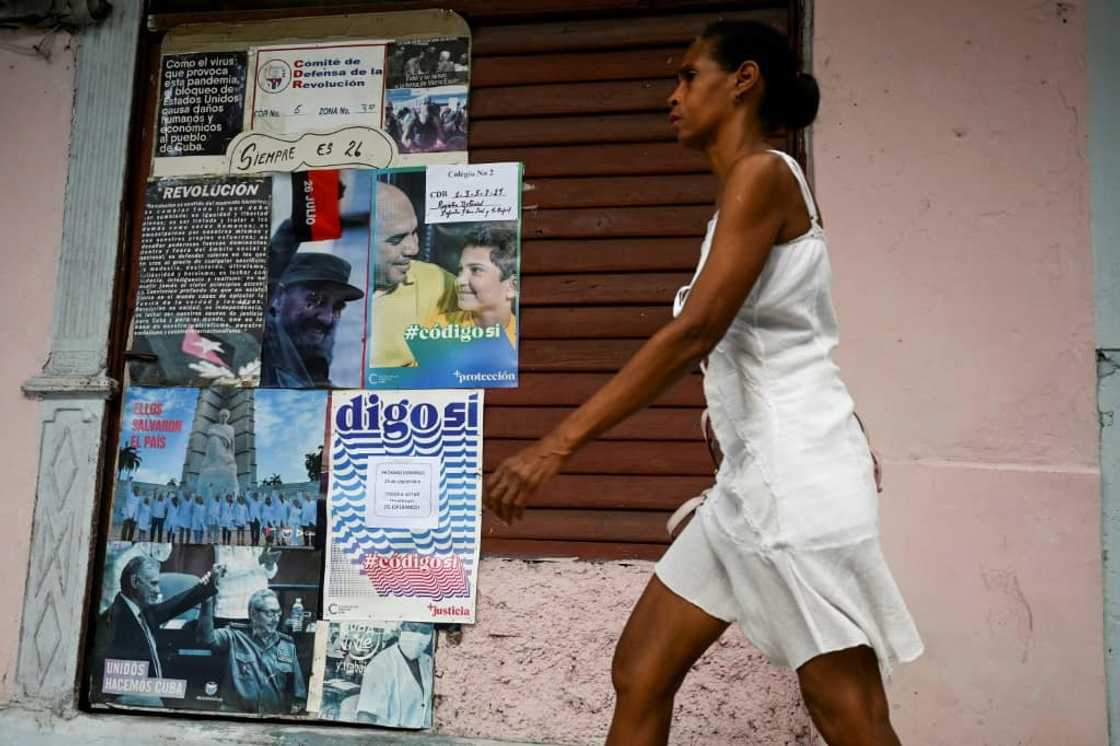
518, 477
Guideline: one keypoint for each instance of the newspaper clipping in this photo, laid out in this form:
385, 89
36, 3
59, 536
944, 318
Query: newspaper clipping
199, 307
426, 102
403, 505
378, 673
429, 63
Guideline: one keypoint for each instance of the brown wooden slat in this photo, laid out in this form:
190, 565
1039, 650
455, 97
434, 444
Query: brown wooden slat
584, 550
240, 11
680, 5
602, 289
571, 130
657, 31
490, 133
595, 322
598, 160
536, 389
474, 9
571, 98
576, 355
557, 524
621, 191
531, 69
662, 221
614, 492
619, 457
609, 255
664, 423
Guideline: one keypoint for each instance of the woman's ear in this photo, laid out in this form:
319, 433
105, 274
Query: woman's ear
747, 78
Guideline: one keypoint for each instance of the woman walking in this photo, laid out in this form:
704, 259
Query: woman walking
786, 543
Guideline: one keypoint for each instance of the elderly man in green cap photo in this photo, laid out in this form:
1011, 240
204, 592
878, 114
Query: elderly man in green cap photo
302, 320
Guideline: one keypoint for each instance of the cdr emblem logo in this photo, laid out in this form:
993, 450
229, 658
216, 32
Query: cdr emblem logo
274, 76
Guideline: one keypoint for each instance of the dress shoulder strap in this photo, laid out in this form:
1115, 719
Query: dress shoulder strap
798, 174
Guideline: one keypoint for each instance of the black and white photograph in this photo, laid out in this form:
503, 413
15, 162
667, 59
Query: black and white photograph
199, 628
428, 63
378, 673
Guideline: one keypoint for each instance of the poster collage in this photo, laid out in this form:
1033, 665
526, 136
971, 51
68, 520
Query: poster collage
298, 478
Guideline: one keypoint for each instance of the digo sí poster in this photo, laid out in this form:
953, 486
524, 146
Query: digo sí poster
403, 505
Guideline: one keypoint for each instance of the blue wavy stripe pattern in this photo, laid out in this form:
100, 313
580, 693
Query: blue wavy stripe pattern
459, 451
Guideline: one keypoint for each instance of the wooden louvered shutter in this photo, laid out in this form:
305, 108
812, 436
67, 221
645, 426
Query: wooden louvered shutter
614, 213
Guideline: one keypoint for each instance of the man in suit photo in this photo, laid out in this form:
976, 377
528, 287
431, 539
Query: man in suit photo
129, 628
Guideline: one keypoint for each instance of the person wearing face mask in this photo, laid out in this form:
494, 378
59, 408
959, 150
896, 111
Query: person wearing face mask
262, 673
408, 290
129, 629
397, 683
487, 282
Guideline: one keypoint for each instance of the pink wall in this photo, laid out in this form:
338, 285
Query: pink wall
950, 165
35, 120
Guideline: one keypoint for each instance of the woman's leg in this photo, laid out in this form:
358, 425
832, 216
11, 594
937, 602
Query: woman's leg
845, 697
664, 636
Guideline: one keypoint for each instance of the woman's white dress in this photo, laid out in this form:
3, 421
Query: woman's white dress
787, 543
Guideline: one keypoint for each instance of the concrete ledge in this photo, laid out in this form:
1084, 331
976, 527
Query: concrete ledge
28, 726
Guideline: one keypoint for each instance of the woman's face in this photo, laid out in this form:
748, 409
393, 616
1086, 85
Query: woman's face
480, 283
703, 98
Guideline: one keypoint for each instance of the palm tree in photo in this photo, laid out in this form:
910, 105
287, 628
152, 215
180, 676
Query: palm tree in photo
314, 464
128, 459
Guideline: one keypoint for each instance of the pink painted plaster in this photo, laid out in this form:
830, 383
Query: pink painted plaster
1002, 571
536, 666
951, 168
35, 120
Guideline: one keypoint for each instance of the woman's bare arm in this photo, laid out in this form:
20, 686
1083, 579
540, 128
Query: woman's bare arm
750, 220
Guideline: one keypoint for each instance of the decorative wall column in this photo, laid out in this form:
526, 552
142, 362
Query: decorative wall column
1104, 160
74, 385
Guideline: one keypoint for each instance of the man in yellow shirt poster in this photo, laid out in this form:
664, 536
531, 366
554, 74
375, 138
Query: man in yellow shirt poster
449, 321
